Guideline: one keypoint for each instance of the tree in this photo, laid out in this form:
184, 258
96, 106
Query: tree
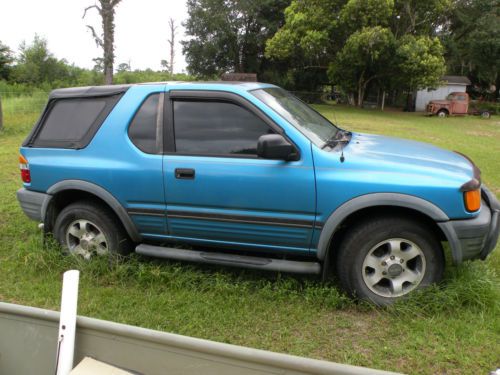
420, 62
229, 35
171, 41
316, 31
472, 41
37, 65
6, 59
308, 37
123, 67
106, 41
365, 57
419, 17
98, 64
356, 42
357, 14
165, 65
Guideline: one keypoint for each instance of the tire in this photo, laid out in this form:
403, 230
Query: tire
442, 113
87, 229
382, 260
485, 114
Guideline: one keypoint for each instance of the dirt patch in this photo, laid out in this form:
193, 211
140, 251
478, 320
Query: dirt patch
475, 133
345, 332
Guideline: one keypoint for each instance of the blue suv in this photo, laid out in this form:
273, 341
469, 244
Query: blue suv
248, 175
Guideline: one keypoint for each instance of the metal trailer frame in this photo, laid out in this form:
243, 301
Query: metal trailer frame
28, 343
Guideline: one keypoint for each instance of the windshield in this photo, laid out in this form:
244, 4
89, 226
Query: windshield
314, 126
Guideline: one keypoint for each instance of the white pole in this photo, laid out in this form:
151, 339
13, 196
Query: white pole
67, 323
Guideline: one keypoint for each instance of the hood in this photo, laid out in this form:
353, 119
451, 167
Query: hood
408, 156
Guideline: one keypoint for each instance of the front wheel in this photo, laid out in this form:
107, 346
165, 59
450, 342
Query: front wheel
442, 113
382, 260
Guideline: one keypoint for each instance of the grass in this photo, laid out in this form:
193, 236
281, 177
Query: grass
452, 328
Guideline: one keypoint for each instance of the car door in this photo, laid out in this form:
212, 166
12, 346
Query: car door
138, 178
218, 191
460, 104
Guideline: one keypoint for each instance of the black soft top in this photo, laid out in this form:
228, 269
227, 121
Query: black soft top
112, 92
89, 91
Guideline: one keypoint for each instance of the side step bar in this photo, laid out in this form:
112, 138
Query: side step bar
233, 260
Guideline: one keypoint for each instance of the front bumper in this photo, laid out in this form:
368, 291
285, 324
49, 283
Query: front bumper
33, 203
475, 238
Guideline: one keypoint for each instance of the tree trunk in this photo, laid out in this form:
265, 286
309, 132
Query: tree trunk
106, 42
350, 99
497, 88
361, 94
171, 42
1, 115
362, 85
409, 102
108, 75
383, 100
108, 27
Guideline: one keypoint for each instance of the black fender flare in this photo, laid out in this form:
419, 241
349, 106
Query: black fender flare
373, 200
99, 192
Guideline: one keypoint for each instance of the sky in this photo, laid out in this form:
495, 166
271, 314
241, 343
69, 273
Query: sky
141, 30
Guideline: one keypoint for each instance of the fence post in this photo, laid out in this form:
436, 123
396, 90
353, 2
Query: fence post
1, 114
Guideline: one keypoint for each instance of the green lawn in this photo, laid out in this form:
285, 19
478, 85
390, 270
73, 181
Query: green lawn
453, 328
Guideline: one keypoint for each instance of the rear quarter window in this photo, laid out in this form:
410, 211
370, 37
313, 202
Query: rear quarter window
145, 130
72, 123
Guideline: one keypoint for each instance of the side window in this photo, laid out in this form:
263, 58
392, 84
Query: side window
71, 123
461, 97
145, 130
216, 128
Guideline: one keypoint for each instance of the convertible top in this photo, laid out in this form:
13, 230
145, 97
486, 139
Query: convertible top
88, 91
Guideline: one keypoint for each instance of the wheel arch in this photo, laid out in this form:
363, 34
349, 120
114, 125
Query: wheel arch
379, 204
65, 192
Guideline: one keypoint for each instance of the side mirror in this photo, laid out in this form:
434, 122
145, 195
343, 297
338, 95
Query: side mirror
275, 146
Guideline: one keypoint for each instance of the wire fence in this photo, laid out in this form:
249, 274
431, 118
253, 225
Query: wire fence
14, 103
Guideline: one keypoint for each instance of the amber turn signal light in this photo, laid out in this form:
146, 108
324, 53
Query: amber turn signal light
22, 160
472, 200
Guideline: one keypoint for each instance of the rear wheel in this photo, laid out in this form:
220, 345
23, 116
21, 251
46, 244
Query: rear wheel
384, 259
87, 230
442, 113
485, 114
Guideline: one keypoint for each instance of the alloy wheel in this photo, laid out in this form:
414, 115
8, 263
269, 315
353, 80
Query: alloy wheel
393, 267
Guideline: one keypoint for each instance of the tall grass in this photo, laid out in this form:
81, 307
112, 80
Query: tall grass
21, 113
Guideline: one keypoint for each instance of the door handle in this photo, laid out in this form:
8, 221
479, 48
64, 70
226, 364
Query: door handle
184, 173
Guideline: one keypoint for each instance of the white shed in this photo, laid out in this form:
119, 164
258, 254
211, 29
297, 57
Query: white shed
452, 84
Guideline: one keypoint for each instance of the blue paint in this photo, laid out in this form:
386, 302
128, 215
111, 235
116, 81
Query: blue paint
307, 190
